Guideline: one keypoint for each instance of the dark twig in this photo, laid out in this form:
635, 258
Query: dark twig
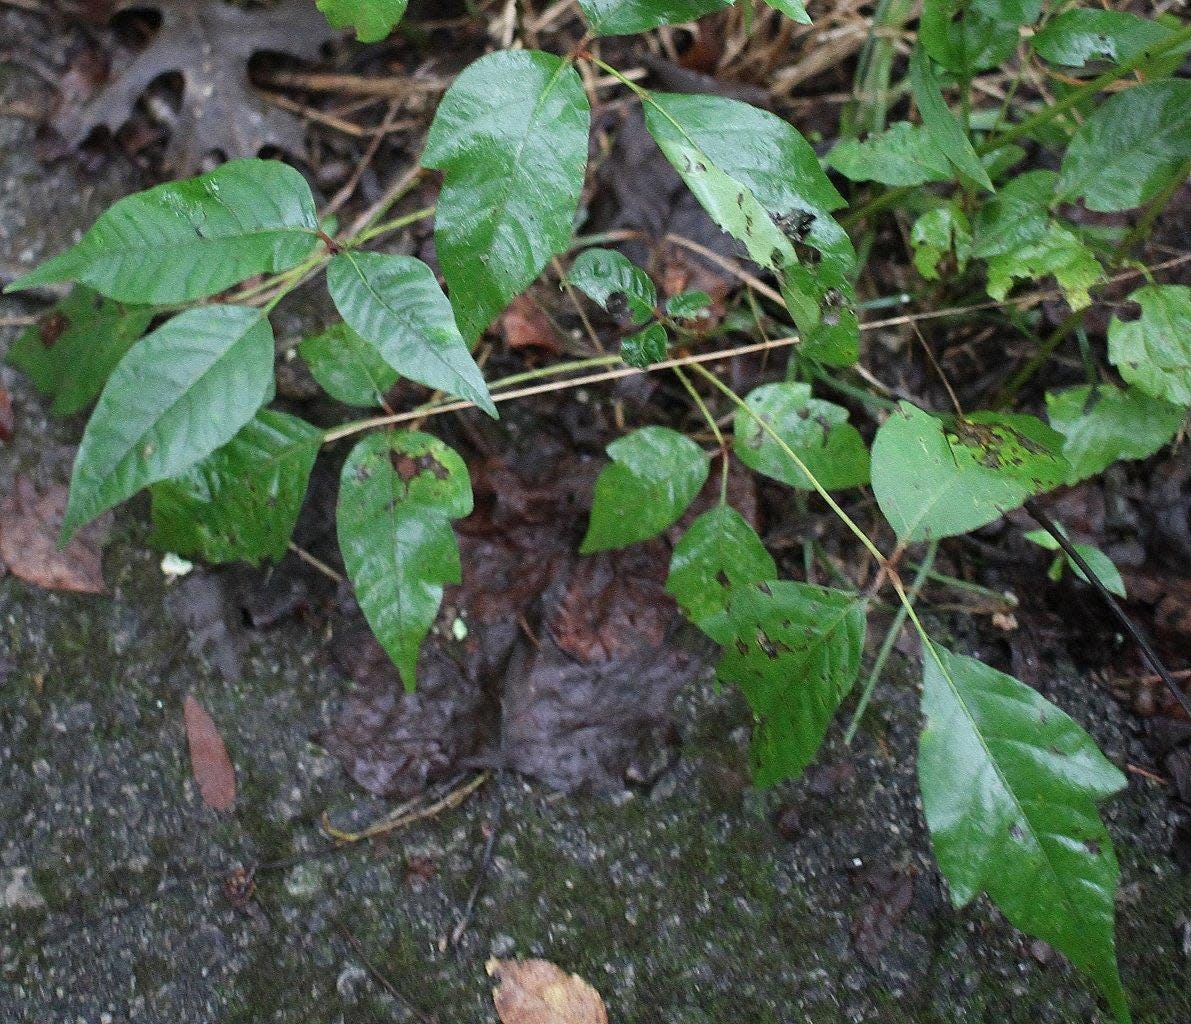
385, 982
1051, 527
483, 869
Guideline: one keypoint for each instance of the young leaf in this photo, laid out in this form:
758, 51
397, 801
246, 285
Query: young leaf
398, 494
1097, 561
818, 431
510, 136
348, 368
188, 239
795, 651
1085, 34
967, 36
1016, 235
1009, 788
73, 349
395, 304
687, 305
941, 125
654, 475
792, 9
242, 501
645, 347
628, 17
183, 392
903, 154
1153, 352
719, 551
938, 232
1127, 151
1108, 424
372, 19
610, 280
933, 481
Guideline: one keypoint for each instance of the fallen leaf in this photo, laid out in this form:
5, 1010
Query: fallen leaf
29, 525
526, 326
538, 992
5, 415
890, 891
209, 43
209, 762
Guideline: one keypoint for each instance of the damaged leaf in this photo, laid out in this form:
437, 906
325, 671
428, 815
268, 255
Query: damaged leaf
538, 992
208, 42
612, 282
1153, 352
209, 761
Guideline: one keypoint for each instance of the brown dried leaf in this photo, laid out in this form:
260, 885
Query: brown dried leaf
29, 525
209, 762
526, 326
6, 423
209, 43
538, 992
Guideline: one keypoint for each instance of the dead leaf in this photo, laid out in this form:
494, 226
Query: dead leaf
209, 43
538, 992
526, 326
29, 525
209, 762
6, 423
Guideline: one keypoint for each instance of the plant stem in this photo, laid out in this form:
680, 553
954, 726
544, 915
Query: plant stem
404, 221
715, 430
895, 628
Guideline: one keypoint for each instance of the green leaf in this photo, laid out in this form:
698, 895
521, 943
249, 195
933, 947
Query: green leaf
188, 239
73, 349
903, 154
1009, 788
1153, 352
1085, 34
510, 137
397, 496
718, 552
968, 36
941, 125
242, 501
645, 347
933, 481
687, 305
817, 431
795, 651
1096, 559
395, 304
942, 231
791, 9
1108, 424
654, 475
610, 280
628, 17
348, 368
1015, 234
1130, 148
372, 19
761, 182
183, 392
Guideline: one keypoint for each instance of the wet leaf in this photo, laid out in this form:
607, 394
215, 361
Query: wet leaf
1097, 561
967, 36
645, 347
941, 125
610, 280
242, 501
1107, 424
510, 137
538, 992
212, 768
1153, 352
398, 494
654, 475
395, 304
933, 481
792, 9
628, 17
1128, 150
817, 431
903, 154
29, 525
1009, 788
688, 305
944, 230
72, 350
188, 239
372, 19
183, 392
1085, 34
718, 552
348, 368
795, 652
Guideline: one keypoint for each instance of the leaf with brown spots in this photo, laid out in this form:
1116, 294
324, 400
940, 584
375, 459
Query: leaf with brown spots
29, 524
538, 992
212, 768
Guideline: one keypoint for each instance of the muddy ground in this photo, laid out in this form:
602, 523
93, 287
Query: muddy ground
690, 898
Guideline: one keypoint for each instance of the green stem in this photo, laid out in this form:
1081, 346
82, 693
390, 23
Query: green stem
895, 628
715, 430
396, 224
